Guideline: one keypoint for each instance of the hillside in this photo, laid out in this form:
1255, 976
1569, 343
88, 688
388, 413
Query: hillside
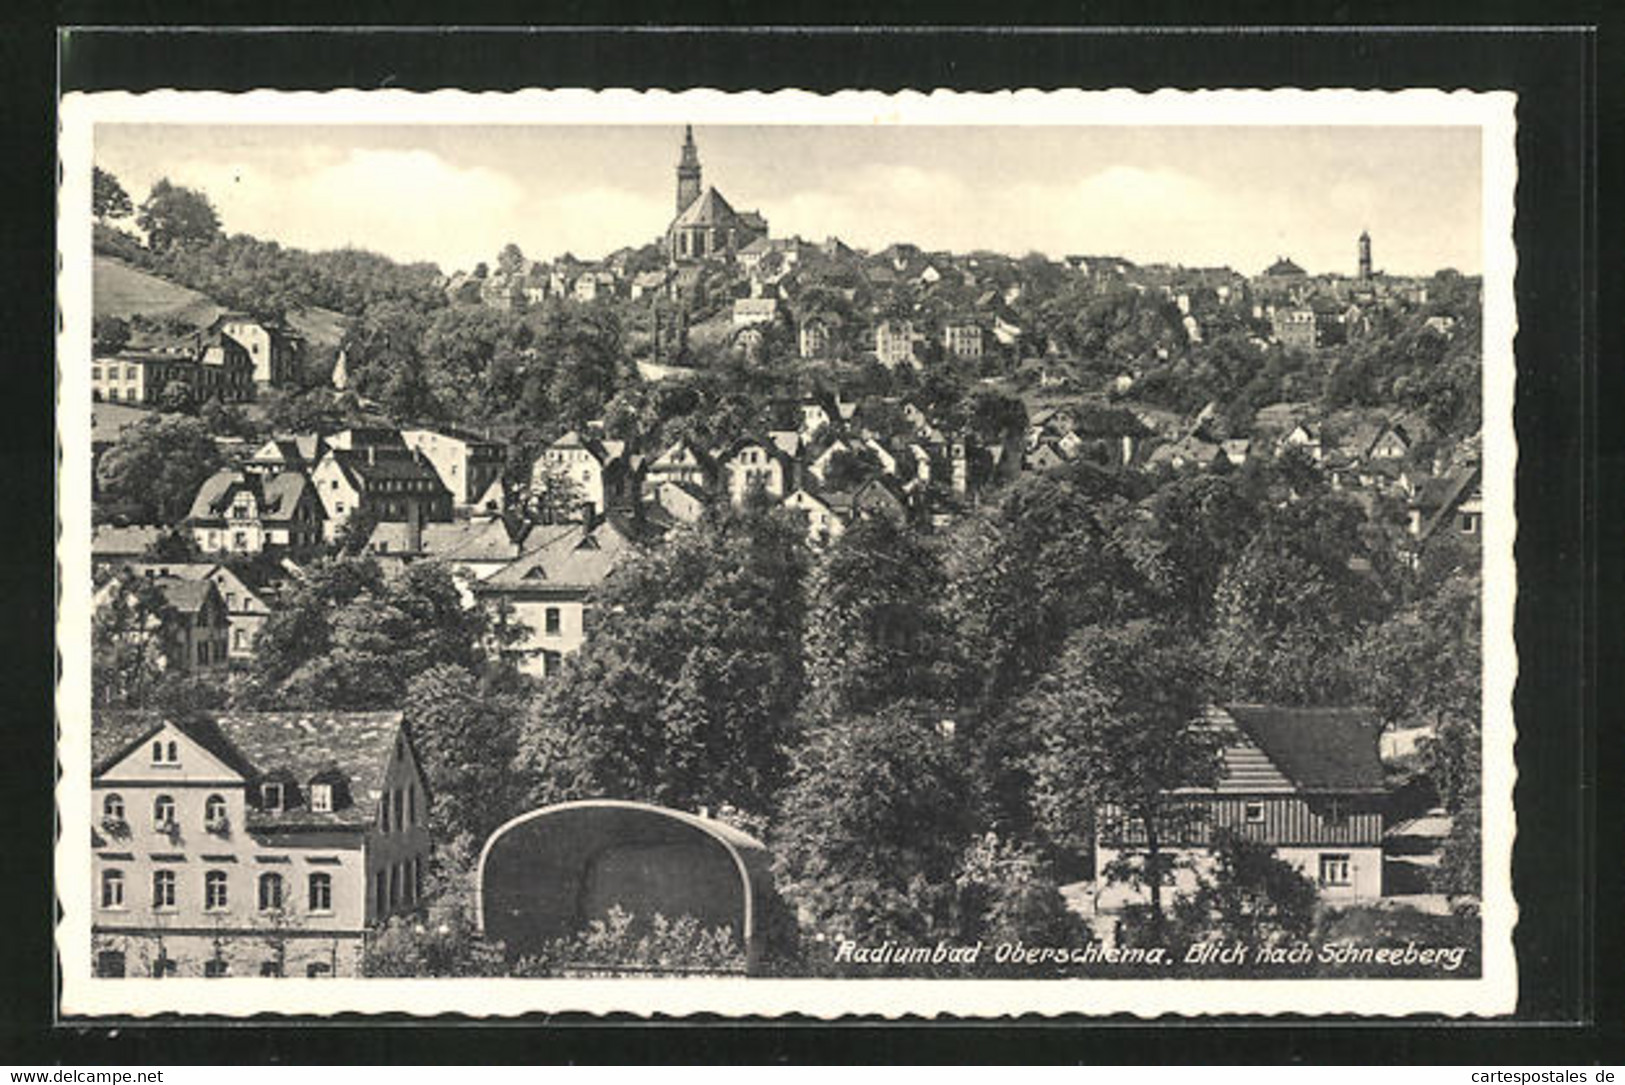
124, 291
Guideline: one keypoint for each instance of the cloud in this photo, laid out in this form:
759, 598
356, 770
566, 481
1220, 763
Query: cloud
593, 222
408, 204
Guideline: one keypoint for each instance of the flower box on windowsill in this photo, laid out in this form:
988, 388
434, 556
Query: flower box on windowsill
117, 828
219, 826
171, 829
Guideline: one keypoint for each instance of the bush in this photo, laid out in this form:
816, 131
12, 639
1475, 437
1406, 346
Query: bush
620, 942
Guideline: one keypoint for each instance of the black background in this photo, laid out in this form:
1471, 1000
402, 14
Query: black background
1568, 423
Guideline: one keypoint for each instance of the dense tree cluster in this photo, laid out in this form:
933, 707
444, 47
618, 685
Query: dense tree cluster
922, 723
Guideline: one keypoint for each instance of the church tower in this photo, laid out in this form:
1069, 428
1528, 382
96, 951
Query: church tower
688, 171
1365, 255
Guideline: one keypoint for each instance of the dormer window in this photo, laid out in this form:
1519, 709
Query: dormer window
271, 797
321, 798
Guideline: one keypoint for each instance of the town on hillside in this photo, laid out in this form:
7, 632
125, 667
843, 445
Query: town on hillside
735, 600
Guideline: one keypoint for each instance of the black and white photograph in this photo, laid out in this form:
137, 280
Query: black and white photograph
596, 551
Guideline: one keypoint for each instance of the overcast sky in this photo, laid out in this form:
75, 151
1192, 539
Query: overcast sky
1198, 196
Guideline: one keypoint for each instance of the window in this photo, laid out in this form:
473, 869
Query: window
214, 891
239, 540
271, 969
95, 372
112, 888
1254, 813
400, 809
321, 798
110, 964
163, 811
113, 807
1336, 813
318, 970
553, 623
411, 804
172, 752
163, 966
1334, 869
378, 886
321, 892
271, 796
163, 890
270, 892
214, 968
164, 753
383, 814
239, 638
214, 809
394, 884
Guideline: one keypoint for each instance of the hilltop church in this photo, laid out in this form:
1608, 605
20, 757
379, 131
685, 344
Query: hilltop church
706, 226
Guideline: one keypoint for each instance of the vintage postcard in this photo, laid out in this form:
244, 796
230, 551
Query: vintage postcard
762, 554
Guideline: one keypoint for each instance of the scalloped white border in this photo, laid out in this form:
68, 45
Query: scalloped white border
1493, 994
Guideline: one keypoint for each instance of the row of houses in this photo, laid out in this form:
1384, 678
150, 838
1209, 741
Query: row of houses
227, 360
272, 844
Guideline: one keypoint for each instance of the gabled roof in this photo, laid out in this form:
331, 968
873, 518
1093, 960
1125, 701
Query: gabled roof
368, 466
709, 209
566, 557
184, 596
277, 495
109, 540
1318, 749
485, 539
308, 744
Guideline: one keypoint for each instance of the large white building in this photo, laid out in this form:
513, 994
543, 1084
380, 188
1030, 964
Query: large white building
253, 843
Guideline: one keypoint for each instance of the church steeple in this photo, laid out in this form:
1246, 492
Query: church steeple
688, 171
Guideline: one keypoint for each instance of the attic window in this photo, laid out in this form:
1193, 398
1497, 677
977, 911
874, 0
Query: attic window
588, 543
535, 573
1254, 813
321, 798
166, 753
271, 797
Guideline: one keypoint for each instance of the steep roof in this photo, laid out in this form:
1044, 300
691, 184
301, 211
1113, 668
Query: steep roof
485, 539
108, 540
710, 209
1317, 749
307, 744
1283, 266
277, 495
375, 465
567, 557
185, 596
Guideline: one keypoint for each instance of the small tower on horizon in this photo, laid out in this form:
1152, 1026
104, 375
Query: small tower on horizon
1365, 255
688, 171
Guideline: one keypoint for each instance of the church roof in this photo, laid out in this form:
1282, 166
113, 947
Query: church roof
710, 209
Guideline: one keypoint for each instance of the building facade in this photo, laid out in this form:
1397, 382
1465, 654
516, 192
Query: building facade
894, 343
1307, 782
251, 844
466, 463
245, 512
274, 351
547, 588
